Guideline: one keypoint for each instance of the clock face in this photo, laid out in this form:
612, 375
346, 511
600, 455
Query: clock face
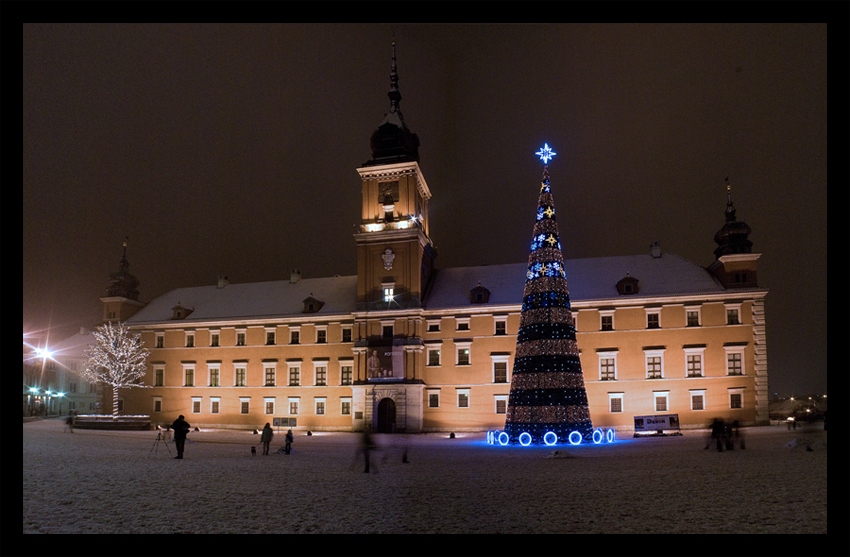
388, 189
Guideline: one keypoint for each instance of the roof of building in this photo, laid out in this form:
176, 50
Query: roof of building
588, 279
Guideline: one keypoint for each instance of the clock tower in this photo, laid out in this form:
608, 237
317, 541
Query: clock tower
395, 255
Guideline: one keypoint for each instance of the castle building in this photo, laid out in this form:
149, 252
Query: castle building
406, 346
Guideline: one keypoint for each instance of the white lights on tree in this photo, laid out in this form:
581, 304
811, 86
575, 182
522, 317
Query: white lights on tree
117, 358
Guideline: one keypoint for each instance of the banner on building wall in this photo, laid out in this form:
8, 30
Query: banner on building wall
385, 360
659, 422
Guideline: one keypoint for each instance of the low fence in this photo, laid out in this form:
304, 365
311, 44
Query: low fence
101, 421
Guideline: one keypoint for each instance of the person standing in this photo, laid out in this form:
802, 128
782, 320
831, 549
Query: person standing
181, 430
289, 439
266, 438
367, 445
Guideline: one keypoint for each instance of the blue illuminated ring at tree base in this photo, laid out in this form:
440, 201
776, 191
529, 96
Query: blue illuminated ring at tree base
527, 436
575, 438
550, 435
503, 438
598, 436
610, 435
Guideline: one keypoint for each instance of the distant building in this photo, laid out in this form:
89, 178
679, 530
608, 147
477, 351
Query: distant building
406, 346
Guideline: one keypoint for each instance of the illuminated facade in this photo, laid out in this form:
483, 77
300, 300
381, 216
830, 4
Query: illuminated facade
405, 346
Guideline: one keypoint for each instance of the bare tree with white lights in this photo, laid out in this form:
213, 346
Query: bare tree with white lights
117, 358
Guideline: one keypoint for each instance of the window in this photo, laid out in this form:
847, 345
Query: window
463, 398
692, 316
269, 372
734, 364
698, 400
215, 374
501, 404
607, 365
240, 338
736, 398
294, 376
733, 314
320, 405
321, 335
268, 405
158, 376
269, 337
434, 326
293, 405
213, 339
462, 323
345, 406
190, 340
615, 402
157, 404
72, 387
694, 365
196, 405
346, 334
294, 336
653, 318
654, 363
388, 292
501, 327
463, 353
434, 356
240, 376
606, 321
215, 405
661, 401
188, 376
160, 340
500, 367
433, 399
245, 405
346, 373
387, 331
322, 375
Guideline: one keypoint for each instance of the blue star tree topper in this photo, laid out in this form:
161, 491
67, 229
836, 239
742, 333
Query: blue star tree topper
546, 153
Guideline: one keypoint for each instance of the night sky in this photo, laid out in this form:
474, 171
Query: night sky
231, 149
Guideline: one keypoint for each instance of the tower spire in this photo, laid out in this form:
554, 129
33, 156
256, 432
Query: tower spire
394, 94
733, 237
547, 394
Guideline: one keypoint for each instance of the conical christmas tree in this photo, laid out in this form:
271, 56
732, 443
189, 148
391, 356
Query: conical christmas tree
547, 386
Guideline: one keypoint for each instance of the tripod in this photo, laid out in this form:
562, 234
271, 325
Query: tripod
157, 442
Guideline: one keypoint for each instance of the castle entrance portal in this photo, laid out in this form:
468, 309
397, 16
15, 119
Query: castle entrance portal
386, 416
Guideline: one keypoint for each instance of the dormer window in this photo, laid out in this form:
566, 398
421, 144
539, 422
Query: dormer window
312, 305
479, 295
627, 285
180, 312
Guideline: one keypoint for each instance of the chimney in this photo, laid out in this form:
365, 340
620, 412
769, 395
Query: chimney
222, 281
655, 249
84, 331
295, 277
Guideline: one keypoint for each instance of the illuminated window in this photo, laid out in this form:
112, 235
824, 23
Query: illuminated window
269, 371
240, 376
434, 356
734, 364
321, 375
346, 374
661, 401
463, 353
215, 405
697, 400
463, 398
615, 402
294, 376
607, 365
388, 289
268, 404
215, 374
293, 405
654, 363
196, 405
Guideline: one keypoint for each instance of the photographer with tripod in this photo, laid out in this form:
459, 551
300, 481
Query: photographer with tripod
181, 429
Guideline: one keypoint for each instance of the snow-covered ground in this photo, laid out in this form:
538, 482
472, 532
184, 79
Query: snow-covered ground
124, 482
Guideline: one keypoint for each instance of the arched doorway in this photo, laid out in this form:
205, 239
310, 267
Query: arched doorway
386, 416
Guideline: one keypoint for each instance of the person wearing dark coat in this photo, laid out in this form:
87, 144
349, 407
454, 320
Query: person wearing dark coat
181, 429
289, 439
266, 438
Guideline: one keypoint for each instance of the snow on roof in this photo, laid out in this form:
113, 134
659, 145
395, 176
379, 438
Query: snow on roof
588, 279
